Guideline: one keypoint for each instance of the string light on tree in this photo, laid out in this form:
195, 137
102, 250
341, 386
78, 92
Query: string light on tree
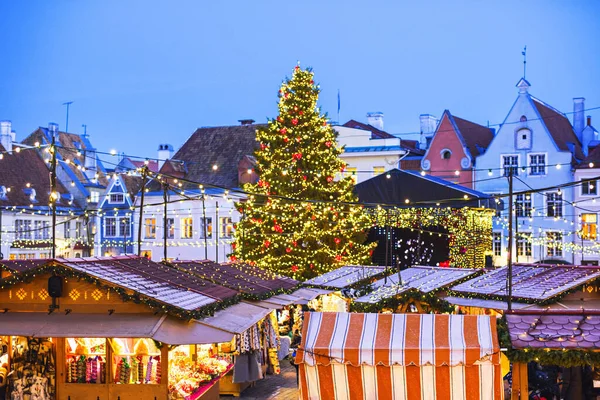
298, 159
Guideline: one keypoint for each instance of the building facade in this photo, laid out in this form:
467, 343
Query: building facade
535, 144
454, 148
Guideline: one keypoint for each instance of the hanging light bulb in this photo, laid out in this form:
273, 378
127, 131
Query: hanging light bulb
490, 173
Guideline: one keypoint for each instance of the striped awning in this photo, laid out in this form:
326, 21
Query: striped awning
398, 356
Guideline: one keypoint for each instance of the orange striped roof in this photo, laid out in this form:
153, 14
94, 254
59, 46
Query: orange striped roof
397, 339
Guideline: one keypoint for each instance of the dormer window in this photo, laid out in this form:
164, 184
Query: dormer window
523, 139
30, 192
446, 154
116, 198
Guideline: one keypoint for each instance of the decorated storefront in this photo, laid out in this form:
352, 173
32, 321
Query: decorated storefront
119, 329
386, 356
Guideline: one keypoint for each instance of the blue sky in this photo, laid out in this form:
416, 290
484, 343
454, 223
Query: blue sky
142, 73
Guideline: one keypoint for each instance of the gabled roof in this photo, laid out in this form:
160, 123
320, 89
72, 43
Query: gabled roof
17, 169
241, 277
375, 132
68, 144
421, 191
425, 279
133, 184
560, 128
411, 145
223, 146
593, 157
534, 282
346, 276
476, 137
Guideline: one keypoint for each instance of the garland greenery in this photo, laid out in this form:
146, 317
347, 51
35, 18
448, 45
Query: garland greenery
545, 356
433, 302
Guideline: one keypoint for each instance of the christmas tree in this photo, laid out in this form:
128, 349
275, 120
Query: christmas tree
302, 218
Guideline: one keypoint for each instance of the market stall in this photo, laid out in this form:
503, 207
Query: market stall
411, 356
104, 329
253, 350
563, 338
534, 287
414, 289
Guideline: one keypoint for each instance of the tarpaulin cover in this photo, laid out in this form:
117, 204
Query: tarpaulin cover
404, 356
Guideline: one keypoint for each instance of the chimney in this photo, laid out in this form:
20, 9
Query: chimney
6, 137
375, 119
246, 121
428, 124
578, 117
165, 152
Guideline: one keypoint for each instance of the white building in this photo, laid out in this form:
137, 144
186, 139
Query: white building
585, 248
370, 151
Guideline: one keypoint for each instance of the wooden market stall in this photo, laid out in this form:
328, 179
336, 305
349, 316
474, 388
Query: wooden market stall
112, 328
415, 290
534, 287
411, 356
565, 338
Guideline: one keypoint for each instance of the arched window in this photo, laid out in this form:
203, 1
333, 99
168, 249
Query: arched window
523, 118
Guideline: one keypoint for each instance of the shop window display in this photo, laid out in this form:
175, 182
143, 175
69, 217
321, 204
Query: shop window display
135, 361
30, 372
86, 360
194, 369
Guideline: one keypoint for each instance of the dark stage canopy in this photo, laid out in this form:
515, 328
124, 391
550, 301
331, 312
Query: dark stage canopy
396, 186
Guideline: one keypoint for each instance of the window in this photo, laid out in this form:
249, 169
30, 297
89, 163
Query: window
510, 165
537, 164
170, 228
45, 230
22, 229
37, 229
125, 227
523, 205
78, 229
446, 154
554, 244
208, 229
116, 198
378, 170
554, 206
67, 229
497, 243
353, 173
110, 226
589, 224
588, 188
524, 244
94, 197
226, 227
150, 228
187, 228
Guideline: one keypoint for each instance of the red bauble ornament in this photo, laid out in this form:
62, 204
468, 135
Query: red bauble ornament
296, 67
312, 82
279, 118
266, 243
337, 240
328, 143
263, 146
232, 258
312, 266
338, 257
295, 243
313, 217
283, 131
324, 123
304, 177
330, 179
301, 112
288, 250
286, 95
298, 139
295, 121
285, 140
294, 268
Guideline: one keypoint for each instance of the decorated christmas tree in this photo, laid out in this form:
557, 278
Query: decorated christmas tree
302, 219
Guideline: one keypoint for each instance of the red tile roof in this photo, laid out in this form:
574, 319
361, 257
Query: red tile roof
555, 330
19, 169
476, 137
152, 164
375, 133
560, 128
240, 277
530, 281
